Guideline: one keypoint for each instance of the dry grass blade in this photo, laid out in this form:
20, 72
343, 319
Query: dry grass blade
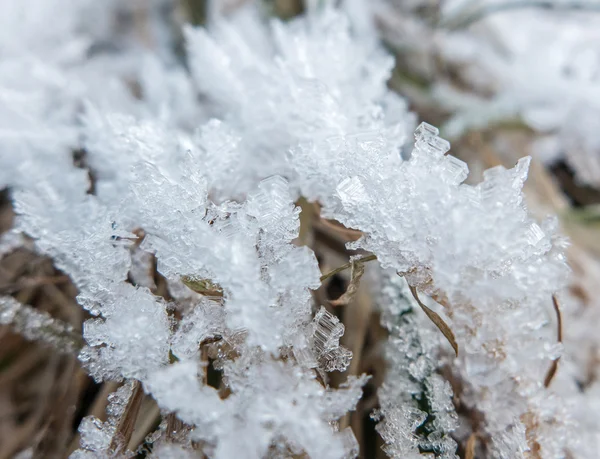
174, 426
347, 266
33, 282
358, 269
437, 320
558, 318
127, 422
148, 421
470, 448
97, 409
554, 367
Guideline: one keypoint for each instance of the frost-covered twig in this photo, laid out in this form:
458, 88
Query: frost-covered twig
39, 326
416, 413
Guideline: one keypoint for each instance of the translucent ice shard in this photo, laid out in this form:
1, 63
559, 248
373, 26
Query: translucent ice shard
326, 333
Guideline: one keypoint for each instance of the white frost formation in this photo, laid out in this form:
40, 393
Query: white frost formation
206, 166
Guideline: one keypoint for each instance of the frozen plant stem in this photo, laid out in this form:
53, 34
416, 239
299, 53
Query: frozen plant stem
39, 326
174, 426
357, 271
126, 424
347, 266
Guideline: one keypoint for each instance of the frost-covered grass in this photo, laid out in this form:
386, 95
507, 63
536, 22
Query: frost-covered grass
273, 256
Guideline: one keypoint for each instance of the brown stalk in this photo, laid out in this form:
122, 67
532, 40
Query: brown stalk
552, 370
126, 423
146, 424
174, 426
347, 266
470, 448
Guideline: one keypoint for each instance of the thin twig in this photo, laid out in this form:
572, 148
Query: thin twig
35, 325
347, 266
357, 271
552, 370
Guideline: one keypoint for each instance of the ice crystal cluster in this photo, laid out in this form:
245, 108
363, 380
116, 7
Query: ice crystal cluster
195, 163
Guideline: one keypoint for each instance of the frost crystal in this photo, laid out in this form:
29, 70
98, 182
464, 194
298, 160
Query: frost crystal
326, 333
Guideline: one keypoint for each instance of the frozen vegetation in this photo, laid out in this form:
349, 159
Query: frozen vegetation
195, 147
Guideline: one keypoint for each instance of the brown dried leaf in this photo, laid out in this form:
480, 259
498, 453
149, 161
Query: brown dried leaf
347, 233
358, 269
204, 287
437, 320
